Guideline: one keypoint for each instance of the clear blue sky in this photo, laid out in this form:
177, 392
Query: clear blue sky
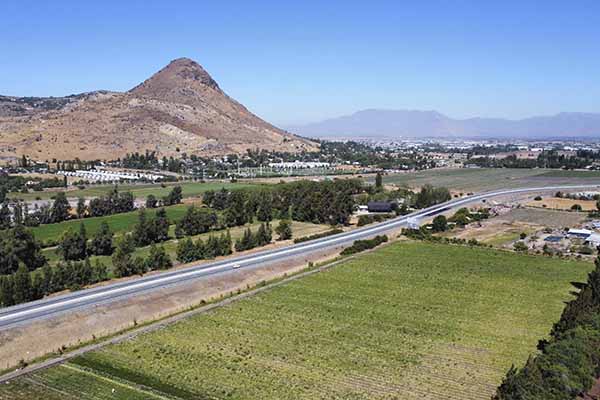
306, 61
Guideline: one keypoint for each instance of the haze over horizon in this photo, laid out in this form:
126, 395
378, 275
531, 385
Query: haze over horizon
301, 63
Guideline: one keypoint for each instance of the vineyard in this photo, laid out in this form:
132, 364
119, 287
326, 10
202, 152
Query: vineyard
407, 321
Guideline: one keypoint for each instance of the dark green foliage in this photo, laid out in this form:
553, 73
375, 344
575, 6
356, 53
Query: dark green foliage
429, 196
19, 245
122, 261
249, 240
520, 246
73, 245
22, 291
5, 219
158, 259
6, 291
318, 235
379, 181
362, 245
188, 251
111, 203
151, 230
196, 221
174, 197
371, 218
151, 201
236, 213
102, 242
60, 208
265, 206
284, 230
439, 224
81, 207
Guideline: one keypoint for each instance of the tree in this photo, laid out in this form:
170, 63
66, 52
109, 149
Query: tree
520, 246
235, 214
186, 251
81, 207
122, 261
158, 258
143, 230
265, 207
5, 220
440, 224
151, 201
6, 291
264, 235
196, 221
102, 242
174, 197
73, 245
26, 248
160, 226
284, 230
22, 285
379, 182
60, 208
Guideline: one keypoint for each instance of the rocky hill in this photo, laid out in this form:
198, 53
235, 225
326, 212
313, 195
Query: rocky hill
179, 109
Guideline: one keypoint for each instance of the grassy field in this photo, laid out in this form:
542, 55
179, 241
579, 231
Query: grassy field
118, 223
190, 189
408, 321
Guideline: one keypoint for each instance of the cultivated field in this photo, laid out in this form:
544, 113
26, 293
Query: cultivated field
483, 179
465, 179
556, 203
408, 321
189, 189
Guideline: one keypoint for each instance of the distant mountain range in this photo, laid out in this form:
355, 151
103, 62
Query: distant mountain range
375, 123
179, 109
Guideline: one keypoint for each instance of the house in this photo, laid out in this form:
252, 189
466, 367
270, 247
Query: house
379, 206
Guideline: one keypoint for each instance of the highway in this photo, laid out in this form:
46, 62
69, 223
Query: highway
46, 308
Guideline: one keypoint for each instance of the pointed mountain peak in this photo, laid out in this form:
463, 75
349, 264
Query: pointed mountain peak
180, 73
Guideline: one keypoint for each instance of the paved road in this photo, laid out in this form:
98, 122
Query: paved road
28, 312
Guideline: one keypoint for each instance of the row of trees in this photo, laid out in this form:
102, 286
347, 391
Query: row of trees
125, 264
74, 244
328, 202
568, 363
250, 240
151, 230
214, 246
26, 286
196, 221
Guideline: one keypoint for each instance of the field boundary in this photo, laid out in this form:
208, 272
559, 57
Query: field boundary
163, 323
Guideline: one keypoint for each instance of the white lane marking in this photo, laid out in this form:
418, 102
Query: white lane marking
284, 251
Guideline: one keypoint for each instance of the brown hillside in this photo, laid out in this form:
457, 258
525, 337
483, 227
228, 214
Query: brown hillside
179, 107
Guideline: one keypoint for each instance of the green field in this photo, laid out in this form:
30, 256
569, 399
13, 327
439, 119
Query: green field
408, 321
189, 189
118, 223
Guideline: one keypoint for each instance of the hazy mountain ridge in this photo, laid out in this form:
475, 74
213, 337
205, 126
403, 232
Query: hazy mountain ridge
179, 109
414, 123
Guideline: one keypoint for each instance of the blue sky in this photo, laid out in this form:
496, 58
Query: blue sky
301, 62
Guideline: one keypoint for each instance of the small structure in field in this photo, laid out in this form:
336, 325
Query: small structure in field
379, 206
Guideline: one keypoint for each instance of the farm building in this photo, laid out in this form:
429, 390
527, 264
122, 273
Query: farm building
379, 206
